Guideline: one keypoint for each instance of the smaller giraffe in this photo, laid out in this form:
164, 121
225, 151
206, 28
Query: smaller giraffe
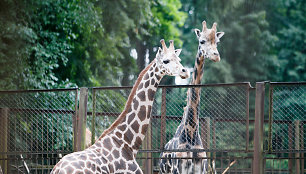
187, 135
116, 149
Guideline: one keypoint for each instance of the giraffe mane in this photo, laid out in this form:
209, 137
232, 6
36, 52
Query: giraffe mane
128, 103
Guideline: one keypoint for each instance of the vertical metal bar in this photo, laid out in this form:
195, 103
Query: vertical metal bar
228, 164
81, 119
16, 135
214, 136
146, 145
247, 115
272, 166
93, 121
214, 155
297, 146
270, 118
258, 133
163, 118
221, 159
149, 147
290, 136
302, 146
206, 136
42, 132
26, 134
144, 154
47, 148
3, 138
75, 123
32, 137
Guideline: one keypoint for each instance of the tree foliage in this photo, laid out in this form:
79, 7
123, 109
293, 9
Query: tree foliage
288, 50
51, 43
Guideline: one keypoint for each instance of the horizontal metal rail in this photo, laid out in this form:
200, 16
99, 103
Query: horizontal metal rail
39, 90
288, 83
53, 111
180, 86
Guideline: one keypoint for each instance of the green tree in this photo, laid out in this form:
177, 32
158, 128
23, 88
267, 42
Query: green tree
244, 45
15, 40
288, 53
163, 22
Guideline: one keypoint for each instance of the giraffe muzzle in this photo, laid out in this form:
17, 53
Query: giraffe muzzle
184, 74
216, 58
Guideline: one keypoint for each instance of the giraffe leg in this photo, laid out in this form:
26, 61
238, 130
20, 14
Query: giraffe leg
165, 163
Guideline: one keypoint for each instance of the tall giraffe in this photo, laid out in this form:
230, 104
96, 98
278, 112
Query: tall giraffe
187, 134
115, 150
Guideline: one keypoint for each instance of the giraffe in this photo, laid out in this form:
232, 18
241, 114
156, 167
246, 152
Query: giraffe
116, 148
187, 134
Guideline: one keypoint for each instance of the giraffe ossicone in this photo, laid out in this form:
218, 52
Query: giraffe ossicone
115, 150
187, 135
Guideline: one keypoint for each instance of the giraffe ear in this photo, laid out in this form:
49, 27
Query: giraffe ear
219, 34
197, 32
178, 52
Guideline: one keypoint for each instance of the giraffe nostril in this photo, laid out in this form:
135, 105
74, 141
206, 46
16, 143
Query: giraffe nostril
184, 70
216, 54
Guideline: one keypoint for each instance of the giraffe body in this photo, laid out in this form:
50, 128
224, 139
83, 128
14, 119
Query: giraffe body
115, 150
187, 134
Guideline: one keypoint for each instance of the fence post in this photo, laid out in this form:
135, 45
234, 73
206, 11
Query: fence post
302, 147
205, 134
297, 146
93, 121
75, 123
247, 103
270, 118
147, 145
4, 139
258, 133
81, 120
163, 118
290, 155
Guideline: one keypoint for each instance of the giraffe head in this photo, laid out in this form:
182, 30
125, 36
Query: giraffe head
208, 40
168, 61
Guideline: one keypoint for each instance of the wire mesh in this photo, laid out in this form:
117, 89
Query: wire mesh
38, 128
109, 105
224, 105
288, 117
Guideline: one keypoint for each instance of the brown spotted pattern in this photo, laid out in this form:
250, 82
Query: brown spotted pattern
115, 150
187, 134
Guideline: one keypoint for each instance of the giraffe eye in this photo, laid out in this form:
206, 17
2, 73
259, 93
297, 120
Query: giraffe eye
166, 61
202, 42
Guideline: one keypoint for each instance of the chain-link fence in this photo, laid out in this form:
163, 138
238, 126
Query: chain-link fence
286, 135
35, 129
225, 106
288, 116
38, 127
222, 107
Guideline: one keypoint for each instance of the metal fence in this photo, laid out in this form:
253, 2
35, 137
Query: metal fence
223, 107
35, 129
38, 127
286, 133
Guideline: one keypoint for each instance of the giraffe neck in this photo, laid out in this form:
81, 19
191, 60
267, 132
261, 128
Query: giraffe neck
131, 126
189, 127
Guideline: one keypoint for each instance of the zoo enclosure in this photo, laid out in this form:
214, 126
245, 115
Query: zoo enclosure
39, 126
